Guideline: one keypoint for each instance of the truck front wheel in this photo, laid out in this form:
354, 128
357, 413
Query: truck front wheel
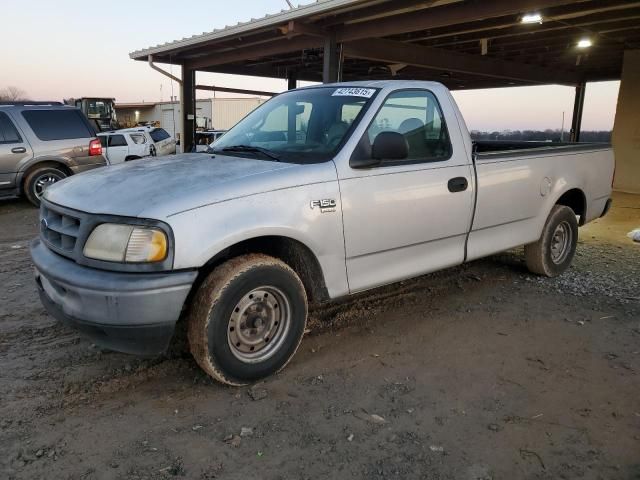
552, 254
247, 319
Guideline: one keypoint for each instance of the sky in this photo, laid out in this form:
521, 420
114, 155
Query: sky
69, 48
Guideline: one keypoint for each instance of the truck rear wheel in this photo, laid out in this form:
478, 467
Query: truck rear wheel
553, 253
247, 319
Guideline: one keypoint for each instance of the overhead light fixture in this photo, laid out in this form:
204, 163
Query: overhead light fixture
531, 18
584, 43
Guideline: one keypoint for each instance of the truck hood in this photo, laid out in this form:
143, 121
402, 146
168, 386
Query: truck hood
158, 188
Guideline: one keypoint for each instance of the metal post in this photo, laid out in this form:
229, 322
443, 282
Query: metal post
292, 79
188, 109
331, 63
578, 107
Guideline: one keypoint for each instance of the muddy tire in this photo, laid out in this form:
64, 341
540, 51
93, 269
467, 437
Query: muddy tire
36, 182
247, 319
553, 253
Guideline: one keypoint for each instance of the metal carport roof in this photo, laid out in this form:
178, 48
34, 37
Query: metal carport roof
463, 44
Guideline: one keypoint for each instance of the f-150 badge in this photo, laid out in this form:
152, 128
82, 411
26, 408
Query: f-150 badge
325, 205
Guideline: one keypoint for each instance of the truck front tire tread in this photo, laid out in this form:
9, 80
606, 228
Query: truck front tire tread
211, 294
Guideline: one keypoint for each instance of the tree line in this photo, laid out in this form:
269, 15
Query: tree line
548, 135
13, 94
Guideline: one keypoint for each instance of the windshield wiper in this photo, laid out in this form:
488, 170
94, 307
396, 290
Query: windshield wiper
249, 148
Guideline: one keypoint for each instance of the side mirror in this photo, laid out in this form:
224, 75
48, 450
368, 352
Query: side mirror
390, 146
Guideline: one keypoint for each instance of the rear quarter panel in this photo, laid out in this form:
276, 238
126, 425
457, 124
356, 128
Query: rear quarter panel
516, 194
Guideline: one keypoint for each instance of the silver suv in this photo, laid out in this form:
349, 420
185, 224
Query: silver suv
42, 143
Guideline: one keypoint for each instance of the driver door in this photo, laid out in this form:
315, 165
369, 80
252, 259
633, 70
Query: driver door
407, 217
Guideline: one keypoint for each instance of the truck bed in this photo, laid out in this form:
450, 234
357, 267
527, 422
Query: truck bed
506, 146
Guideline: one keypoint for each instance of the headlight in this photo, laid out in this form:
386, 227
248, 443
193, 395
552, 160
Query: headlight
113, 242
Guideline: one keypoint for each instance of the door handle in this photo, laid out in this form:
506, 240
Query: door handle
458, 184
18, 150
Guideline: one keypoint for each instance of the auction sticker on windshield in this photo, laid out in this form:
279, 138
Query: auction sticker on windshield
354, 92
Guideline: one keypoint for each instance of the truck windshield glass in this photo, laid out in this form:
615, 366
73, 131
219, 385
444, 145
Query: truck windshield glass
301, 126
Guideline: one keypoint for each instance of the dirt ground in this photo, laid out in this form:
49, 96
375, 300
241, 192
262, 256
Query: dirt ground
478, 372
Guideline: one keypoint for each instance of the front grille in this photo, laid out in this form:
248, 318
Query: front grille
59, 229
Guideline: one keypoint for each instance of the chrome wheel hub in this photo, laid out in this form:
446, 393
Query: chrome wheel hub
561, 242
259, 324
45, 181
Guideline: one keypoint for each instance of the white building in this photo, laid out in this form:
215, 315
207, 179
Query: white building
211, 113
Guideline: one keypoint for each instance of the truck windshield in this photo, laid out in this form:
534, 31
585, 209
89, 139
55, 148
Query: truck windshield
97, 109
301, 126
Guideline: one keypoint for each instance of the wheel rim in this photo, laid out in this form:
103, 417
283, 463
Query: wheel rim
561, 242
45, 181
259, 324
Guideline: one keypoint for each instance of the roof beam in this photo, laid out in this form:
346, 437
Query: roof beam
389, 52
563, 28
243, 54
442, 17
585, 16
299, 28
213, 88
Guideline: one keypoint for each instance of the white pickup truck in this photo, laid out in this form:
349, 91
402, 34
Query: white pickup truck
319, 193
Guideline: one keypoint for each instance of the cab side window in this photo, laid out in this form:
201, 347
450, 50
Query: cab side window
8, 132
417, 116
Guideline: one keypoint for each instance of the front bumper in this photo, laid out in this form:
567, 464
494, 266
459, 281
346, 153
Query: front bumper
127, 312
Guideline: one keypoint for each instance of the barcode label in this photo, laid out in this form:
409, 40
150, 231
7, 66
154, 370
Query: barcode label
354, 92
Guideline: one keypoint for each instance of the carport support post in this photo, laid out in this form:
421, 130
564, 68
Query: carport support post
331, 60
188, 109
292, 79
578, 107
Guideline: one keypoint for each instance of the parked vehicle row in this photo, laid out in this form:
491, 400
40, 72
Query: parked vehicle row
41, 144
319, 193
136, 143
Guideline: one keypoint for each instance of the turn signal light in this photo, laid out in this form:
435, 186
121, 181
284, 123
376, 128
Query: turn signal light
95, 148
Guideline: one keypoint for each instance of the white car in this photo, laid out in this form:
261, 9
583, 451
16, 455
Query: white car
164, 144
121, 146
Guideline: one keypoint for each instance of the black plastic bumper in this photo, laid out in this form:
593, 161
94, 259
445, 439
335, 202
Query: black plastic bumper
143, 340
128, 312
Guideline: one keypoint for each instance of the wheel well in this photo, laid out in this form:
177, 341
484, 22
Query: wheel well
292, 252
47, 163
575, 200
